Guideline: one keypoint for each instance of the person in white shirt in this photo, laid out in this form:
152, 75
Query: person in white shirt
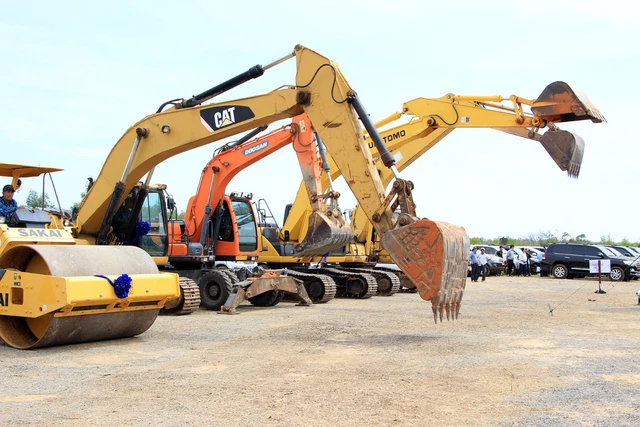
524, 263
483, 259
511, 259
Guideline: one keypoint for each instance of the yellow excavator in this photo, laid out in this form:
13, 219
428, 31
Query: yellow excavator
431, 120
64, 293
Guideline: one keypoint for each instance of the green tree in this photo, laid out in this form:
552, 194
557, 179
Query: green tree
476, 240
606, 240
35, 201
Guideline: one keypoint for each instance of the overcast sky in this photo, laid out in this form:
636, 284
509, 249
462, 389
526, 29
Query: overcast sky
76, 75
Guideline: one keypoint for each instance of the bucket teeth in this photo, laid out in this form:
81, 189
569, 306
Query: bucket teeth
566, 149
458, 300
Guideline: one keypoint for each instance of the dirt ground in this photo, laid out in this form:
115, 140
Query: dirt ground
382, 361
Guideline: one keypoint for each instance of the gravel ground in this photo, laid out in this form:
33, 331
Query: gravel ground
382, 361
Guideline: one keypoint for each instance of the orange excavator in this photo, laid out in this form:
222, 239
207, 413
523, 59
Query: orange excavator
218, 227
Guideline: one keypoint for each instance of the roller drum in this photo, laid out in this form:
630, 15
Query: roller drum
70, 261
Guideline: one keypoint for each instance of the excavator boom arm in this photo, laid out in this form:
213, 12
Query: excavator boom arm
434, 118
172, 132
229, 162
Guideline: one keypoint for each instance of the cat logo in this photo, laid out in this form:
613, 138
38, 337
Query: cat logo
215, 118
4, 300
224, 117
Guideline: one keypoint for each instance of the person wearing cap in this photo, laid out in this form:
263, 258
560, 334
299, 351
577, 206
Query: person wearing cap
7, 205
483, 260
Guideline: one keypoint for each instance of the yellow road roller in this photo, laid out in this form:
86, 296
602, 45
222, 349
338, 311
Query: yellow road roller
56, 290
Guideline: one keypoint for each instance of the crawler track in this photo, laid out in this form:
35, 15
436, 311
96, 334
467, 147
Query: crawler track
320, 287
406, 286
190, 299
351, 284
387, 281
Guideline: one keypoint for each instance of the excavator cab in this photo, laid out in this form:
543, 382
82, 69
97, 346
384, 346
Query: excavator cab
155, 241
237, 231
144, 222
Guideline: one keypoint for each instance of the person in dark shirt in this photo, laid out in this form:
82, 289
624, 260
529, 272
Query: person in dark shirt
7, 205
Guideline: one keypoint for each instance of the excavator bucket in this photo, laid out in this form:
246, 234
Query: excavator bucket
558, 102
566, 149
434, 256
326, 232
55, 295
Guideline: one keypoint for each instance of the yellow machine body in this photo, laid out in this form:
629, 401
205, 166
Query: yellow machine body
53, 295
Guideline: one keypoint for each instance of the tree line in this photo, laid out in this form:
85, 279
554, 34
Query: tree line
544, 238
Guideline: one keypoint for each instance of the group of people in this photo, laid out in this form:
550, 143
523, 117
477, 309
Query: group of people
478, 263
517, 263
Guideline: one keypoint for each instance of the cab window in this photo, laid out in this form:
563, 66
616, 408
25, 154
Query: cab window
154, 242
247, 230
575, 249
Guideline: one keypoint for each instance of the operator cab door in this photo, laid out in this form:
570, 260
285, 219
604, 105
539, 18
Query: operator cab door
238, 232
155, 242
246, 226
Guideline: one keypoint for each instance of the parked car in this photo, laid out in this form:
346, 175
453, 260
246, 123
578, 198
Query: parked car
569, 260
624, 250
495, 266
635, 249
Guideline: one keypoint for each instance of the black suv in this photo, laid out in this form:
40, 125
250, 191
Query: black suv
569, 260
